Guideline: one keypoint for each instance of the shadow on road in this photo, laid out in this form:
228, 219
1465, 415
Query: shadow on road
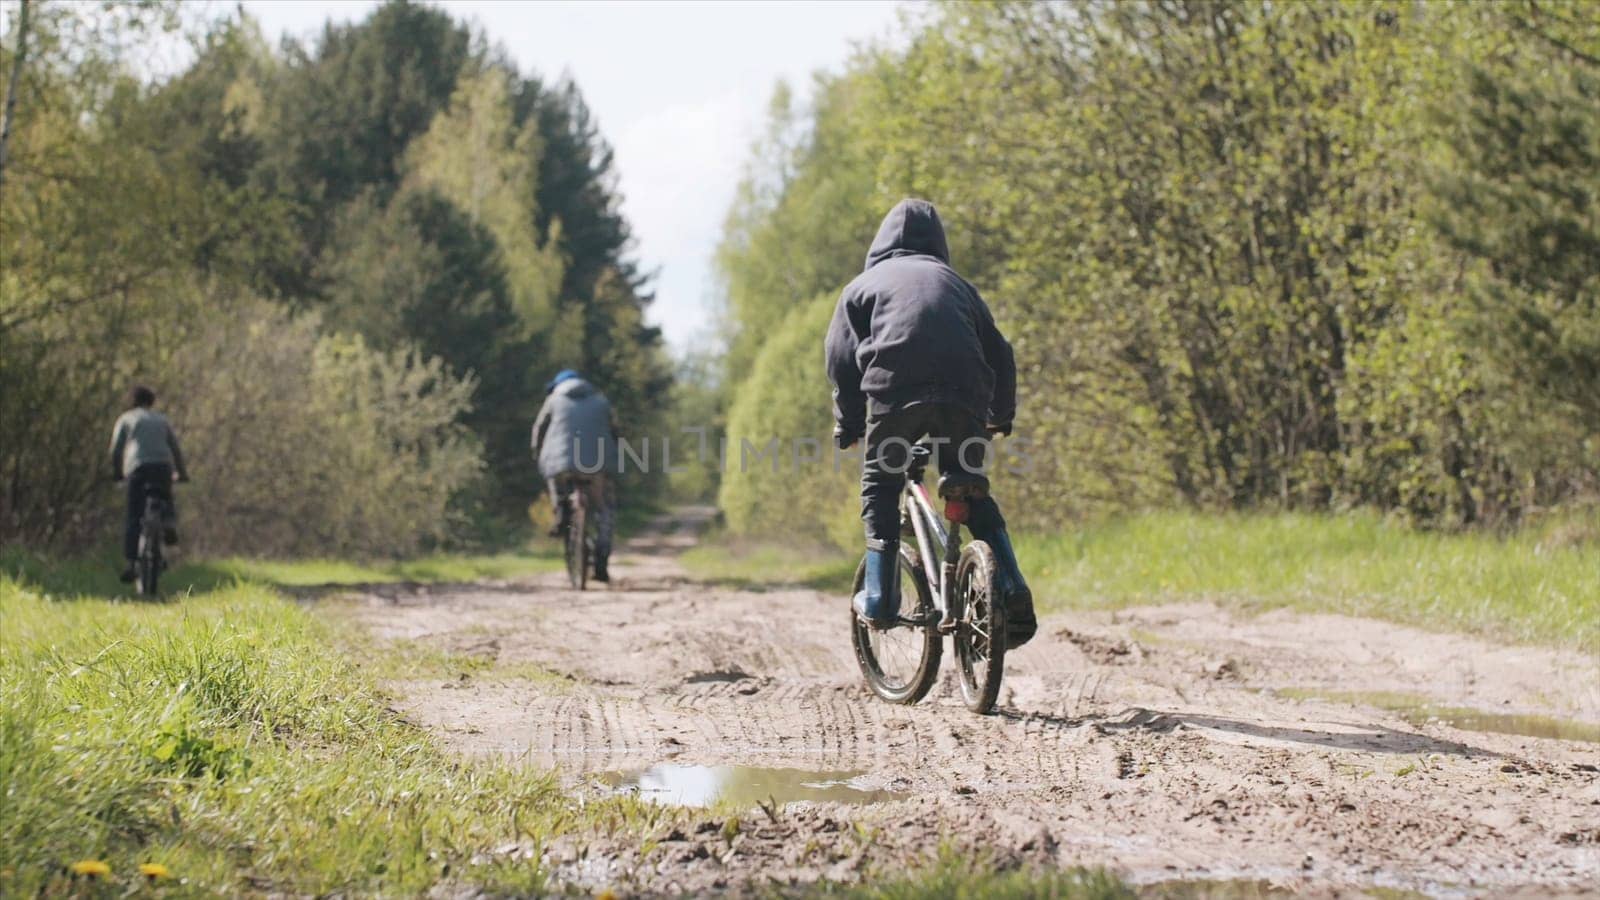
1363, 737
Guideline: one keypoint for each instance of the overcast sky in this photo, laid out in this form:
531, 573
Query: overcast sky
679, 89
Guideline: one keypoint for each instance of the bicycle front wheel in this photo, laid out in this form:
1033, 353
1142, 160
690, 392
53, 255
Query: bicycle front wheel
900, 663
980, 636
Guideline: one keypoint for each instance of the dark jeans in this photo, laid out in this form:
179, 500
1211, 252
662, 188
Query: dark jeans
600, 496
155, 478
960, 455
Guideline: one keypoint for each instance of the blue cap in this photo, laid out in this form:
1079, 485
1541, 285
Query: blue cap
563, 375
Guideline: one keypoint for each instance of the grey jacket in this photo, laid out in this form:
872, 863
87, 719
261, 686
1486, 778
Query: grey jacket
143, 436
910, 330
574, 431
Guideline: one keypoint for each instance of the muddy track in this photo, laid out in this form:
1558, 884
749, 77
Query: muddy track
1166, 743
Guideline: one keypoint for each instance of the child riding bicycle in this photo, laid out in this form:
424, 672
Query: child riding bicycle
144, 450
913, 352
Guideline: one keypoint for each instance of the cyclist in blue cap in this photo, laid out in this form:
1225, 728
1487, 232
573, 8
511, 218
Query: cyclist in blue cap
574, 439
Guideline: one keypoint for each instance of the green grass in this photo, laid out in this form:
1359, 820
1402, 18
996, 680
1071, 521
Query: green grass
1535, 586
723, 560
441, 568
227, 738
97, 576
1538, 586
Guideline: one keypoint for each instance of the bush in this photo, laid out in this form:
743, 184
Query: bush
786, 399
298, 442
308, 444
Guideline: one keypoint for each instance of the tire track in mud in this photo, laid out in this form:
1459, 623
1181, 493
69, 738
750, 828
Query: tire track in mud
1162, 742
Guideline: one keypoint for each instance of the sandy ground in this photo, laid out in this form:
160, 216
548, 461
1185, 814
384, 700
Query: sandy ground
1157, 742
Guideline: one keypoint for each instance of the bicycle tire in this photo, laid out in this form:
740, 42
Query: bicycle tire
920, 681
577, 547
980, 658
148, 566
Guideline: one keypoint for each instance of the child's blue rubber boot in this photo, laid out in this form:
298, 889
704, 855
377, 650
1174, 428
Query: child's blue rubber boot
878, 601
1021, 623
990, 527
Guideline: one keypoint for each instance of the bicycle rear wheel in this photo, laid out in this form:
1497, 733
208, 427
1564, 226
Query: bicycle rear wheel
980, 635
577, 546
900, 663
147, 568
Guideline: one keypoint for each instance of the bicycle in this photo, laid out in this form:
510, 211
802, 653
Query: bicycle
150, 562
954, 587
579, 541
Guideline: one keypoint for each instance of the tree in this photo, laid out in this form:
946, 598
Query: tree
476, 155
1200, 225
1516, 189
339, 118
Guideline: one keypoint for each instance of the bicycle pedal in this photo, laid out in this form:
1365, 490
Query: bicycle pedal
878, 626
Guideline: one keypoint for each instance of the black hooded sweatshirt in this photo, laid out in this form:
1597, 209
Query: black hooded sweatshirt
909, 330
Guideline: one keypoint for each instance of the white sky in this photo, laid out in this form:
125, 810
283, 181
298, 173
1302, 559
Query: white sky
679, 89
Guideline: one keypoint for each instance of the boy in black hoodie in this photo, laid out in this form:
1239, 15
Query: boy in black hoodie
913, 351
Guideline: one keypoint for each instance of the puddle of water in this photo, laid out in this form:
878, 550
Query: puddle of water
1421, 711
743, 785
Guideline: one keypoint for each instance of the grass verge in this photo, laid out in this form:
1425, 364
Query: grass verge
97, 576
1523, 587
744, 564
1538, 586
223, 739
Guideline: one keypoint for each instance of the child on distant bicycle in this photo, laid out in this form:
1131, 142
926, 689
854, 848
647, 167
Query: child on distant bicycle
144, 450
913, 351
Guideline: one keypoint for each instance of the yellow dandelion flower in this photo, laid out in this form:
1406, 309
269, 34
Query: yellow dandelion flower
153, 871
90, 868
606, 895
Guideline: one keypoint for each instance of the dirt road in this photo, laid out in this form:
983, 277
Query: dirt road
1320, 754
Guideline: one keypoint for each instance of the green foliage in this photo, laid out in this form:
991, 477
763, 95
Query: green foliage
450, 224
1204, 231
695, 426
345, 449
335, 122
798, 220
222, 739
1515, 189
781, 474
477, 156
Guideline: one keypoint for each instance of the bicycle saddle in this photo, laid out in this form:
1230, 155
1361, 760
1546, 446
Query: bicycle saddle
960, 485
957, 485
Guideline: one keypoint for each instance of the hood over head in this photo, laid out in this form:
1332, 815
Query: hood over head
912, 228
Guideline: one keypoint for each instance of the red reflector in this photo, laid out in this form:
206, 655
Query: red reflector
956, 511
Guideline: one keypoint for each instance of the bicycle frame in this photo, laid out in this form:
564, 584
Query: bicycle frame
931, 534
